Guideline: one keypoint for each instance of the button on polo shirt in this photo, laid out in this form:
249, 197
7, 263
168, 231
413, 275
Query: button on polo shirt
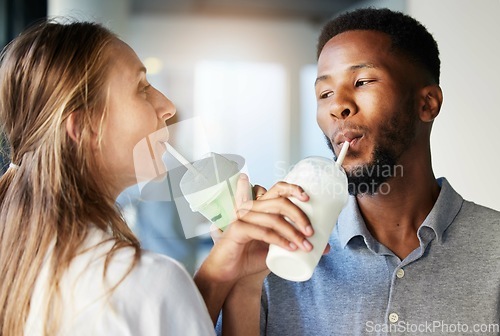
393, 317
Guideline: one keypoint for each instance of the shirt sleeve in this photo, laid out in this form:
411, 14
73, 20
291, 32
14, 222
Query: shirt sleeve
158, 298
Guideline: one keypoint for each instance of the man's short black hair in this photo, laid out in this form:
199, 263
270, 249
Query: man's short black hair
407, 34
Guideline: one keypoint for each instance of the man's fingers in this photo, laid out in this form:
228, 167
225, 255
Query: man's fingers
242, 193
215, 233
259, 191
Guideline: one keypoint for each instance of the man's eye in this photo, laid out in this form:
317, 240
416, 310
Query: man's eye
362, 82
325, 94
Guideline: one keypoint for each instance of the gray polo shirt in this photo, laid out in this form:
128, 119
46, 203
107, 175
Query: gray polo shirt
448, 285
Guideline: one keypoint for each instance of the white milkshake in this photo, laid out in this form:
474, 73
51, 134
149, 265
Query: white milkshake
326, 184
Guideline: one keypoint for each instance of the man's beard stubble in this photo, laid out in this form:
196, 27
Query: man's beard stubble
396, 137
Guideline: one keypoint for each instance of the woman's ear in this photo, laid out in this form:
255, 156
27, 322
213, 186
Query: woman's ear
431, 99
72, 127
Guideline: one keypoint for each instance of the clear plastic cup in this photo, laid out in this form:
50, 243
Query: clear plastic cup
211, 187
326, 184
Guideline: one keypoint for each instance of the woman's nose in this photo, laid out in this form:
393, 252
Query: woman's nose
165, 109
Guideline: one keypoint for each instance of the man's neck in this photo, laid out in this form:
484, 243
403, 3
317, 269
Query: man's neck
394, 215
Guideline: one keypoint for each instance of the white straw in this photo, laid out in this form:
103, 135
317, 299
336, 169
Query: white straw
215, 168
342, 154
181, 158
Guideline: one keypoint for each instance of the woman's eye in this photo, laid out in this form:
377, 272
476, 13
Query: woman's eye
325, 94
145, 88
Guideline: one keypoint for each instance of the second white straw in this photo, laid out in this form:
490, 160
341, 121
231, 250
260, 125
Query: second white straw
180, 158
342, 153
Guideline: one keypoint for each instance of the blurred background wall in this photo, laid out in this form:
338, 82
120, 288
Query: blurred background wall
247, 68
270, 118
466, 134
186, 37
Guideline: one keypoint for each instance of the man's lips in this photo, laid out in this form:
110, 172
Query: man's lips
349, 136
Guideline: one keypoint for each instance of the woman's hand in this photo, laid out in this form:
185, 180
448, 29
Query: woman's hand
235, 268
242, 248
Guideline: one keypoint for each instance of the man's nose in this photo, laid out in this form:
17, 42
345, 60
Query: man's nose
342, 105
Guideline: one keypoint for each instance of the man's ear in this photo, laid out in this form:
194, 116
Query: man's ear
72, 127
431, 99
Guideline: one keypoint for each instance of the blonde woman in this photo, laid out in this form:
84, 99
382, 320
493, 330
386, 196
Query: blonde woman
74, 101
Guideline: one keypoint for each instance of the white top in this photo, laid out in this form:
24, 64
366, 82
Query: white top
158, 297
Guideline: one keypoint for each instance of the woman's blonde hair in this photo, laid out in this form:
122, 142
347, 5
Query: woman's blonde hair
49, 72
